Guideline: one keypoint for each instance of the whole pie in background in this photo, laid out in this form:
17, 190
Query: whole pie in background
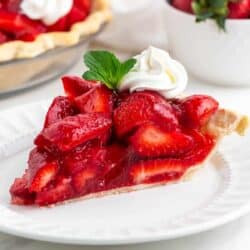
29, 28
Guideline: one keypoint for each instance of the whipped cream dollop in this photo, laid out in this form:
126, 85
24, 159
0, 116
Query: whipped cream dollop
48, 11
156, 70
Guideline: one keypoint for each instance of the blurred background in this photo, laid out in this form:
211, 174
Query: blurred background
135, 25
207, 51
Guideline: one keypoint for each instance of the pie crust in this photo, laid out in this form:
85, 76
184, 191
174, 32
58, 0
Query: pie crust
99, 15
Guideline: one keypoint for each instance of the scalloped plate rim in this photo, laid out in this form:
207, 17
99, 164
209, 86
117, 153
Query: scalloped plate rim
140, 238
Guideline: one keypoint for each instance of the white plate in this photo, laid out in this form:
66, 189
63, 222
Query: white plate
217, 194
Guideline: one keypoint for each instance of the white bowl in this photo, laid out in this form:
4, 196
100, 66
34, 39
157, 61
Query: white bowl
210, 54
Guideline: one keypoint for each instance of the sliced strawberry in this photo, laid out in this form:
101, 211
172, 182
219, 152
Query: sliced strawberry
184, 5
60, 108
75, 86
239, 9
37, 159
149, 171
74, 130
176, 105
134, 111
20, 194
44, 176
20, 26
198, 109
153, 95
83, 5
115, 154
81, 178
95, 163
140, 108
98, 99
151, 141
60, 25
42, 169
165, 116
145, 171
89, 154
203, 145
61, 191
117, 175
76, 15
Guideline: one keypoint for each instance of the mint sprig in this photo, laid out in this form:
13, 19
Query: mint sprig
104, 66
215, 9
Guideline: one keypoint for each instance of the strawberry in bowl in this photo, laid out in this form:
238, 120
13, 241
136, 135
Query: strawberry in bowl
219, 36
218, 10
120, 128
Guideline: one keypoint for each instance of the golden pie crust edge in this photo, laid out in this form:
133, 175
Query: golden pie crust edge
223, 122
100, 14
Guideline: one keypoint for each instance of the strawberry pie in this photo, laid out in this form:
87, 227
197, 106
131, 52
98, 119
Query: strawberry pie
124, 126
30, 27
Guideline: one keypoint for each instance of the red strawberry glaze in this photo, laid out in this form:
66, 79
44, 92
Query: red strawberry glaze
16, 26
97, 140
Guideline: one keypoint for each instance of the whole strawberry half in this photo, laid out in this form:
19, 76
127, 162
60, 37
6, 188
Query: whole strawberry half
239, 9
140, 108
197, 109
60, 108
75, 86
73, 131
98, 99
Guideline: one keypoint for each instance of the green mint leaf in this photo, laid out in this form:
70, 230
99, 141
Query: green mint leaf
126, 67
91, 75
104, 66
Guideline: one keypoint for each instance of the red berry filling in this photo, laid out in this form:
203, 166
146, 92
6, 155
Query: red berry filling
96, 140
16, 26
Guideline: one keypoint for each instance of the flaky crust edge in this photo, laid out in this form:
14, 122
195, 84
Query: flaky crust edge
100, 14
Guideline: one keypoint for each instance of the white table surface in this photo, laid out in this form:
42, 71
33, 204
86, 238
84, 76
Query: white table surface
233, 236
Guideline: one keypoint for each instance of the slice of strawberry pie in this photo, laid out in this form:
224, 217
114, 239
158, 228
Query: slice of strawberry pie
122, 127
